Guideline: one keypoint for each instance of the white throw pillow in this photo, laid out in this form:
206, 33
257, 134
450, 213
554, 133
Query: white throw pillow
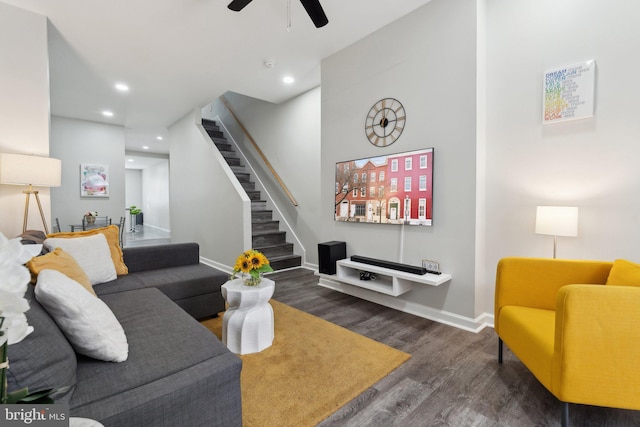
92, 254
86, 321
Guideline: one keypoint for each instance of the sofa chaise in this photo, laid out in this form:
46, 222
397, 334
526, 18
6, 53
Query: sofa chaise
176, 271
177, 372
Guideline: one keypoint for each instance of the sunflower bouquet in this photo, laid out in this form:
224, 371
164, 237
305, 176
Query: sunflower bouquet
253, 263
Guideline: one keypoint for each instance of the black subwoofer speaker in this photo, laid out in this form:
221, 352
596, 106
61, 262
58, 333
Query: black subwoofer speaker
328, 254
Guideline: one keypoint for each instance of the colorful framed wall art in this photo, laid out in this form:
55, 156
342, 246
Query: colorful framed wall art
94, 180
568, 92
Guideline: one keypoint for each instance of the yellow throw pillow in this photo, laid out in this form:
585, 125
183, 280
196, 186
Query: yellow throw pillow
624, 273
64, 263
112, 233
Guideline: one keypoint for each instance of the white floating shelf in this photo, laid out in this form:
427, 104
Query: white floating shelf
388, 281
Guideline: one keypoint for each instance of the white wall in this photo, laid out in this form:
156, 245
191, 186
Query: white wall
590, 163
155, 196
289, 136
427, 60
78, 142
205, 206
484, 290
24, 108
133, 187
133, 192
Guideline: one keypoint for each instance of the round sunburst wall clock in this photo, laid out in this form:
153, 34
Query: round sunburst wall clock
385, 122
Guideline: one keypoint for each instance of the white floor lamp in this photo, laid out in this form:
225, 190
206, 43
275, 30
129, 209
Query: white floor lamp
557, 221
34, 171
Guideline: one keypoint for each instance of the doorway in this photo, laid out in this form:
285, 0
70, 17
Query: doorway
147, 188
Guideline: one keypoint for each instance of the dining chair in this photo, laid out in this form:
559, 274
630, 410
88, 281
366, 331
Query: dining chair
121, 231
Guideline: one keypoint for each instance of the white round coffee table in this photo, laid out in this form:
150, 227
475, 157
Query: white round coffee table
247, 325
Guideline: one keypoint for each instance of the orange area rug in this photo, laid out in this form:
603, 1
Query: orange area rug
313, 368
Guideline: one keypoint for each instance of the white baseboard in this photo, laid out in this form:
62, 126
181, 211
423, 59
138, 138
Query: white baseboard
219, 266
466, 323
156, 227
310, 266
440, 316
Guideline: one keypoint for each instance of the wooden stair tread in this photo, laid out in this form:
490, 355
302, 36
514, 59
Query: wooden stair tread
267, 232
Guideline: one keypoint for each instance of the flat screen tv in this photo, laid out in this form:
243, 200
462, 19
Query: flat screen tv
390, 189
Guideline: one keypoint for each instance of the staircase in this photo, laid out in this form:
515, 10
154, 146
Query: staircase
266, 236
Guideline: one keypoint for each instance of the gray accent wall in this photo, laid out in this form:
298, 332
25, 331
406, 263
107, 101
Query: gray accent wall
78, 142
426, 60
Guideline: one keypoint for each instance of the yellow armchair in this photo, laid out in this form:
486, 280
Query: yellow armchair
579, 337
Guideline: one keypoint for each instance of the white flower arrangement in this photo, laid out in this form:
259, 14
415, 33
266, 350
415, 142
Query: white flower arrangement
13, 285
91, 213
14, 279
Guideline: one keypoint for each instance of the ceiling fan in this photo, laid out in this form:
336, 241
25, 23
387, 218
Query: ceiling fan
313, 8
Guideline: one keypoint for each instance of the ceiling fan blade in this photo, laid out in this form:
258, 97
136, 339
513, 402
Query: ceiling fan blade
314, 9
238, 5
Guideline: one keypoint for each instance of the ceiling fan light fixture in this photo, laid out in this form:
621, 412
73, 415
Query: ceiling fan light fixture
238, 5
313, 8
315, 12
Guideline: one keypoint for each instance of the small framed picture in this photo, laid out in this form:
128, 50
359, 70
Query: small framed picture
94, 180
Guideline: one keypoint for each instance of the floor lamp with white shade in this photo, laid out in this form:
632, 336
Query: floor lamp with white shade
34, 171
557, 221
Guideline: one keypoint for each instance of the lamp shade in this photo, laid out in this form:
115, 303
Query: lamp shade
557, 220
20, 169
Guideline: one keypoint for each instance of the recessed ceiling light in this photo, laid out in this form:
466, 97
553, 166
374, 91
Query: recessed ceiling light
145, 147
107, 113
122, 87
288, 80
159, 138
130, 160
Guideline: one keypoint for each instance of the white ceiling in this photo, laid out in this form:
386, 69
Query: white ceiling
177, 55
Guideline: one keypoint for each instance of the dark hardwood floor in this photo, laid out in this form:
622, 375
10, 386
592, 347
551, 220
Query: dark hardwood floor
452, 379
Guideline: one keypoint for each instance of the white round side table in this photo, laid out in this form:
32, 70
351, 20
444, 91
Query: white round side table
247, 325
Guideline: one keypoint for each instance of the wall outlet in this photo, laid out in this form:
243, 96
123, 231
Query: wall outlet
431, 266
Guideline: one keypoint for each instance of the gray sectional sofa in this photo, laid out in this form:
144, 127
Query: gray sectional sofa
175, 270
177, 372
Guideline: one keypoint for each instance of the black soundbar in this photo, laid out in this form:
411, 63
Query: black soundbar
390, 265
